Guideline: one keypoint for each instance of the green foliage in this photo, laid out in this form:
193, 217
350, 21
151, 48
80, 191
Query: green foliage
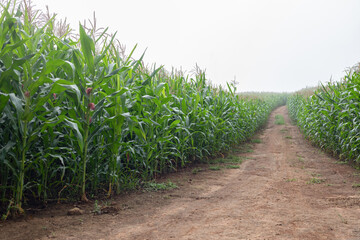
196, 170
214, 168
232, 166
315, 181
330, 118
279, 120
154, 187
75, 119
256, 140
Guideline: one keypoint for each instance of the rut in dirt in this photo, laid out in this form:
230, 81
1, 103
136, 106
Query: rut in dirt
285, 189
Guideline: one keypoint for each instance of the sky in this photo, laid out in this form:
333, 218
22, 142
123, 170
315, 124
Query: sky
266, 45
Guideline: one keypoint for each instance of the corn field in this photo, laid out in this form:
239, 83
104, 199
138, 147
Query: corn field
76, 121
330, 117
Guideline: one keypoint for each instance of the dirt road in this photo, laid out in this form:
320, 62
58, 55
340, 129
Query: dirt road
285, 189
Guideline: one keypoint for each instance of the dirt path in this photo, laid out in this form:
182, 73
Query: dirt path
285, 189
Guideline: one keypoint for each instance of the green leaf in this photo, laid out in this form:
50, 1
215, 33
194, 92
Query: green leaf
73, 125
159, 88
174, 123
17, 102
148, 97
87, 48
4, 99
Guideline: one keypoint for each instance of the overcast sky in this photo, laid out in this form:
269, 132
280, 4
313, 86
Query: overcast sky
269, 45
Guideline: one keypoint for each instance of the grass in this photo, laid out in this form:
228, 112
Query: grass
154, 187
315, 181
291, 180
228, 159
214, 168
341, 162
279, 120
301, 159
356, 185
232, 166
315, 174
256, 140
244, 148
196, 170
288, 137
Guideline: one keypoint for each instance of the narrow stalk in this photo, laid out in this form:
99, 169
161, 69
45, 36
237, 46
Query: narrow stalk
20, 188
84, 157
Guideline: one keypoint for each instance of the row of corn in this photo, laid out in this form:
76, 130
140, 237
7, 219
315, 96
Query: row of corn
78, 120
330, 117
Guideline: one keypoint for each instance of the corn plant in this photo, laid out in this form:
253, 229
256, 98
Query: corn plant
77, 116
330, 117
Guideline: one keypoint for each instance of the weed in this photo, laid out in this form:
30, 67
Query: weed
232, 166
214, 168
154, 187
196, 170
279, 120
291, 180
97, 208
341, 162
228, 159
356, 185
245, 148
256, 140
288, 137
300, 159
315, 181
315, 174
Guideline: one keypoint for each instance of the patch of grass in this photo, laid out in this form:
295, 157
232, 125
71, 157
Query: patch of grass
97, 208
256, 140
279, 120
217, 161
232, 166
291, 180
228, 159
244, 148
315, 174
288, 137
196, 170
341, 162
356, 185
214, 168
300, 159
234, 159
315, 181
154, 187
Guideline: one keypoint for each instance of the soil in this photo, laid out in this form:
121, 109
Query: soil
285, 189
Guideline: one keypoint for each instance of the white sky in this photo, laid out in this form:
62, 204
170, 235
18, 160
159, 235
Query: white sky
269, 45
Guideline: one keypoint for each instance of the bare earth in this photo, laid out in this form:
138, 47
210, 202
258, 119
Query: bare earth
285, 189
